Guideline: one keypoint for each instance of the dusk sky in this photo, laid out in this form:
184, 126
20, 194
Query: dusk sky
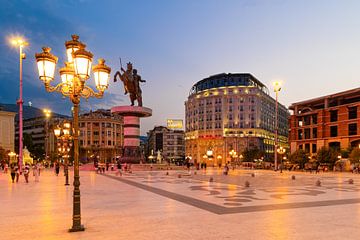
312, 46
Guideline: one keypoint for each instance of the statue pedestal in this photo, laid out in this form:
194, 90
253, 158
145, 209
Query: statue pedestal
131, 116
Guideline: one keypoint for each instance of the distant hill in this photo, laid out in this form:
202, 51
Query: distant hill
28, 112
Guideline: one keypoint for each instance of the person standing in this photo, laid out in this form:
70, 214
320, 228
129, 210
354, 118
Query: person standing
36, 171
26, 172
12, 172
57, 168
17, 172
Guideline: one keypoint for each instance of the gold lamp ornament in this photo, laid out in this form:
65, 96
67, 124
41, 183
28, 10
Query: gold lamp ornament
73, 75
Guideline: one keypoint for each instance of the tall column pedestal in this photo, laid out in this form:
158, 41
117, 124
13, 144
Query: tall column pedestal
131, 114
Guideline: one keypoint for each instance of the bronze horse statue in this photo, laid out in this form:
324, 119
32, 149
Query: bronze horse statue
131, 81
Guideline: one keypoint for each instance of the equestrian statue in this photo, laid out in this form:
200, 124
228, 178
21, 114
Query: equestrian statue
131, 81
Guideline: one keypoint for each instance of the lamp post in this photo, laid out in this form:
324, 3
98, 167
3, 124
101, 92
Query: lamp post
233, 154
219, 160
47, 113
277, 88
281, 151
63, 135
73, 85
20, 43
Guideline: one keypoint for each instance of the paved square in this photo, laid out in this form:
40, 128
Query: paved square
153, 205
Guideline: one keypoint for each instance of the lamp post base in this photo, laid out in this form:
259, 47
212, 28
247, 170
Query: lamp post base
77, 228
66, 184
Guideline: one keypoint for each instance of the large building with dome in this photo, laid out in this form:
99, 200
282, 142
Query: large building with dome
228, 113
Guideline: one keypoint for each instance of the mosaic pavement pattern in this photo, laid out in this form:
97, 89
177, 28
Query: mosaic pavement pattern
266, 191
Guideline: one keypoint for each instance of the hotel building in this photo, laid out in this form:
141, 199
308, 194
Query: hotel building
228, 112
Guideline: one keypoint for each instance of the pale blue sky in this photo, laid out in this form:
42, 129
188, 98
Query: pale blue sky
312, 46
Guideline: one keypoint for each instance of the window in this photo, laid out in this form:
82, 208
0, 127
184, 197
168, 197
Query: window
300, 123
307, 120
314, 133
352, 112
96, 133
314, 148
96, 124
300, 134
352, 129
314, 119
333, 116
307, 133
109, 143
333, 131
307, 147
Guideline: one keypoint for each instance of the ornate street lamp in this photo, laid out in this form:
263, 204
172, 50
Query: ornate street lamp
233, 154
281, 151
73, 78
64, 138
277, 88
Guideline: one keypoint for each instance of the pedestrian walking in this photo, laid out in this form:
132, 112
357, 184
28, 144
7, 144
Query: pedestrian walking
119, 168
57, 168
17, 172
12, 172
26, 172
5, 168
36, 171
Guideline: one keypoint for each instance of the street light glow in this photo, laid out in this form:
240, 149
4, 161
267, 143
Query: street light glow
18, 41
277, 86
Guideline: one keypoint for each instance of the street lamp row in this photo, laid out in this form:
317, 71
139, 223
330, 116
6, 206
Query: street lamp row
74, 76
63, 135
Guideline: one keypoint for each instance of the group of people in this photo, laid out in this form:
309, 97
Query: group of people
15, 171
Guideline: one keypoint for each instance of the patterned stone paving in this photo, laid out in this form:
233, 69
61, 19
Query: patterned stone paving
225, 198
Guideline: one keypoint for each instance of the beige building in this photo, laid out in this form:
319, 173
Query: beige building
7, 130
101, 136
226, 114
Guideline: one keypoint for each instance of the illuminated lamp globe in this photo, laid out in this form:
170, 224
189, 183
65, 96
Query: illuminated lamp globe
67, 74
101, 75
82, 63
46, 63
72, 46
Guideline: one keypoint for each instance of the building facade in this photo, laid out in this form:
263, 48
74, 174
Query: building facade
228, 112
7, 130
169, 142
101, 136
329, 121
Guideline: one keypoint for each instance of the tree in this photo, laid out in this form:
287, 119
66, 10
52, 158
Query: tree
355, 155
3, 155
251, 154
299, 157
37, 152
327, 155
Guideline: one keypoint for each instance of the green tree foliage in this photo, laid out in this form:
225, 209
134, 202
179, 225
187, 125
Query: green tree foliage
37, 152
299, 157
327, 156
3, 155
355, 155
249, 155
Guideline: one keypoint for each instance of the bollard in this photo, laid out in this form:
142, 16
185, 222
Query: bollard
253, 174
167, 173
247, 184
318, 183
293, 177
351, 181
179, 175
195, 173
211, 179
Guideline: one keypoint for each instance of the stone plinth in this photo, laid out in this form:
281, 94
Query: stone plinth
131, 115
